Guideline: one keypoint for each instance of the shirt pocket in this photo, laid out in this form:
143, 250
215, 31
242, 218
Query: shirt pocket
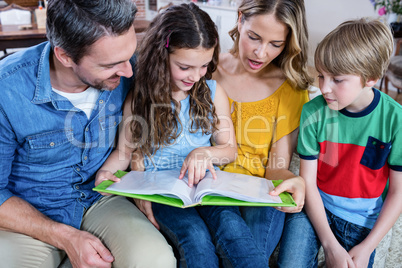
50, 147
375, 154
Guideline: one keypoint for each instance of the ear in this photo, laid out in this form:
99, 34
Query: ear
239, 24
63, 57
371, 82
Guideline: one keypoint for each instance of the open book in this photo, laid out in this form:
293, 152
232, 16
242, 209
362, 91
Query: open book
229, 189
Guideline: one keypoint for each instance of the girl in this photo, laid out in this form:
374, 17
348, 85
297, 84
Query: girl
269, 53
175, 111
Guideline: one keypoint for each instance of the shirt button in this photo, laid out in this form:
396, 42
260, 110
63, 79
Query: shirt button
79, 200
87, 129
101, 101
77, 187
85, 158
78, 169
51, 144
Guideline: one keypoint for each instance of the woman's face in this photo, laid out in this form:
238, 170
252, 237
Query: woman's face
262, 38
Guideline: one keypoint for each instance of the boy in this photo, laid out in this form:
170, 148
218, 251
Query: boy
350, 143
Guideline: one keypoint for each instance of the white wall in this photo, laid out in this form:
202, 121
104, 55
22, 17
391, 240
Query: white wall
324, 15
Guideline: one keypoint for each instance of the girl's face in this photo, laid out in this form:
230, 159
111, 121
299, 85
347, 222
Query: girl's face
262, 38
187, 66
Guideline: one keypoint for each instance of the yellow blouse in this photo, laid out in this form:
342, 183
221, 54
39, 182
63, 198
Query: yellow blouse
261, 123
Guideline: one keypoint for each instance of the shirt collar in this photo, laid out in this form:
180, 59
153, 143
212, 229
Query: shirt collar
43, 89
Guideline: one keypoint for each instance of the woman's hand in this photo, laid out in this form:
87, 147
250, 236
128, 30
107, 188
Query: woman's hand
297, 187
103, 175
196, 163
146, 208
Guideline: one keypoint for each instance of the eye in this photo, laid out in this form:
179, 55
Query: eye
320, 76
337, 81
275, 45
252, 37
183, 68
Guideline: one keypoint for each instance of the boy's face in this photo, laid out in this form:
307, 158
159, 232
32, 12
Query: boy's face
346, 91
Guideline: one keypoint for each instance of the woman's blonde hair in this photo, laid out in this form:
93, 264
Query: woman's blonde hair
293, 59
360, 47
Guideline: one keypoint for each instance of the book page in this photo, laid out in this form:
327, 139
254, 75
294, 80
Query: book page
237, 186
163, 182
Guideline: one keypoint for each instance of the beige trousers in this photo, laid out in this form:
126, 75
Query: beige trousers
125, 231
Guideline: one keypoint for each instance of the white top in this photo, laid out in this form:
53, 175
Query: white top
85, 101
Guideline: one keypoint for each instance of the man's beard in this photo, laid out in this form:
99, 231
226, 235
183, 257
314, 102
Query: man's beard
100, 85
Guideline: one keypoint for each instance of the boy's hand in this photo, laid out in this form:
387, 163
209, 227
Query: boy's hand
146, 208
297, 187
360, 255
338, 257
103, 175
196, 163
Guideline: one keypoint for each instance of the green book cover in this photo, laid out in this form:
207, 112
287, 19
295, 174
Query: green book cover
286, 198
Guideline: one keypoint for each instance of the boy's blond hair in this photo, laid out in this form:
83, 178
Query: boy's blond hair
360, 47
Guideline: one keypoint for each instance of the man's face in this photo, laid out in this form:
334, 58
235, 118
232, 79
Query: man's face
107, 60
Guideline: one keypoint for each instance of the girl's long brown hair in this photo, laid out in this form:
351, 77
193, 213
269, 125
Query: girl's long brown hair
156, 120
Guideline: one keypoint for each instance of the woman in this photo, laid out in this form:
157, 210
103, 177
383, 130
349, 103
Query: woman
265, 77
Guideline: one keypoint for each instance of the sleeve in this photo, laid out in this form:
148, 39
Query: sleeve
8, 145
289, 110
307, 145
395, 156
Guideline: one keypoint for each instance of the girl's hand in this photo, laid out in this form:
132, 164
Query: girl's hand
297, 187
103, 175
146, 208
196, 163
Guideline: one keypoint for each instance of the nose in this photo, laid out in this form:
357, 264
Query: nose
325, 86
125, 69
196, 75
260, 51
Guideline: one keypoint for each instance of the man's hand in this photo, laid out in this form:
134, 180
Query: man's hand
146, 208
85, 250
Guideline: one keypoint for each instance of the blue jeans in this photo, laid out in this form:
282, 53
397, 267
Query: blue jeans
300, 243
266, 225
209, 236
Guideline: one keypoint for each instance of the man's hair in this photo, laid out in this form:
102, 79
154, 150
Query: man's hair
361, 47
74, 25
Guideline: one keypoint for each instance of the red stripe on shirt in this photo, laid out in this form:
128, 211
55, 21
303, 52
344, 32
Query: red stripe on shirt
340, 172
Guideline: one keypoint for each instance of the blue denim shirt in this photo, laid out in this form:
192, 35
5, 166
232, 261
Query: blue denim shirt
49, 150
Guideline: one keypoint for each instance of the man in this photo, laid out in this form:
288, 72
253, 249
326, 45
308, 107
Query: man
60, 107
